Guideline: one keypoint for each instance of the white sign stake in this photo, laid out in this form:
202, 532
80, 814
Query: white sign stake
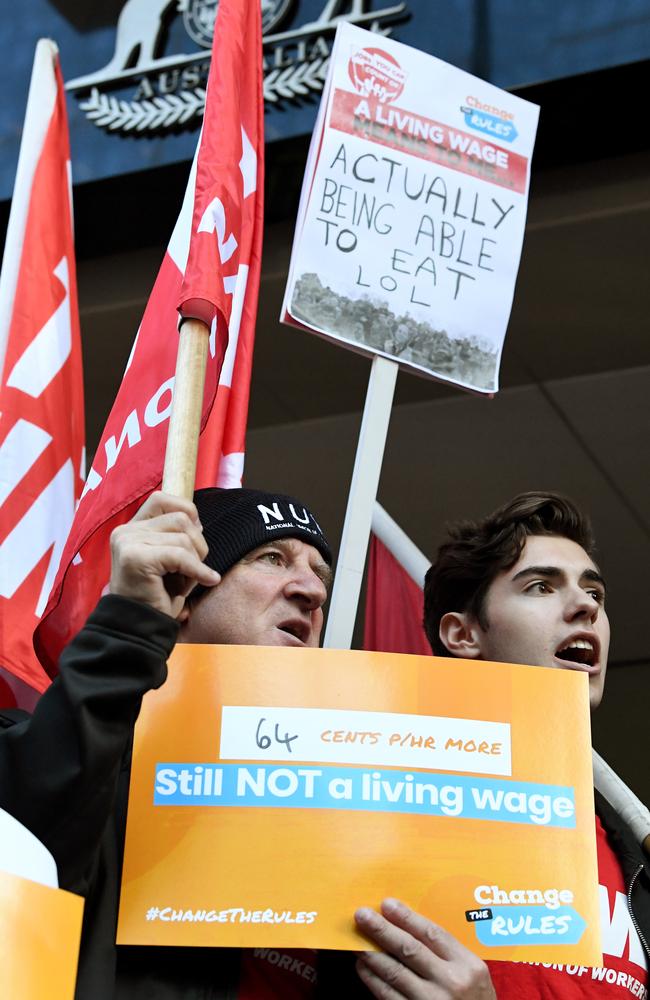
358, 516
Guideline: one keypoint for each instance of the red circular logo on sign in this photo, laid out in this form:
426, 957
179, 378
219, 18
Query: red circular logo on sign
377, 74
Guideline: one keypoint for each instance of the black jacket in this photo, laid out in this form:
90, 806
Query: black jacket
64, 774
60, 767
636, 868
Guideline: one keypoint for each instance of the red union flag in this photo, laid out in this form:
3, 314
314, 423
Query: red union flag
41, 389
394, 598
210, 271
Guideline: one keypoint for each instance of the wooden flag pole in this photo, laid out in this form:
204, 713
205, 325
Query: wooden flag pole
358, 516
179, 473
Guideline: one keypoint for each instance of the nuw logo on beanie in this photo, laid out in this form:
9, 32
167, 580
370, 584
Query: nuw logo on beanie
283, 515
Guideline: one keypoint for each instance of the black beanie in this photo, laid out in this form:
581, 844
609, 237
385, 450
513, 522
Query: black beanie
236, 521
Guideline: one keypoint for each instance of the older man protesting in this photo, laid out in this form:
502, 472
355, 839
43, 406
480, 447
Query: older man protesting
240, 566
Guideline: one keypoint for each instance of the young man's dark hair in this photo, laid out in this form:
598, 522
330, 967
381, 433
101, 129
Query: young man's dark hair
465, 567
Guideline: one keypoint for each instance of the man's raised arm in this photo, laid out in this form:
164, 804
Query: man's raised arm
59, 768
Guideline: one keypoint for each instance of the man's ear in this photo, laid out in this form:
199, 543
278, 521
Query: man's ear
460, 633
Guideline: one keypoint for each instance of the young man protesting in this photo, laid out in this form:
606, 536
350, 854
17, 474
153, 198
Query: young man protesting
521, 586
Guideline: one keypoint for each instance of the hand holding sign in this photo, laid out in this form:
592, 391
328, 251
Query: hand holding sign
419, 960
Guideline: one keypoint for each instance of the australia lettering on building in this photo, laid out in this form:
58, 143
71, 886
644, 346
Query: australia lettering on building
145, 88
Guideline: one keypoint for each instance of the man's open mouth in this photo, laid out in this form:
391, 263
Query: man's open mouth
582, 651
295, 628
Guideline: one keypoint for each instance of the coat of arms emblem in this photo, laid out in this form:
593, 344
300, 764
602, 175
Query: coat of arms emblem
199, 19
170, 88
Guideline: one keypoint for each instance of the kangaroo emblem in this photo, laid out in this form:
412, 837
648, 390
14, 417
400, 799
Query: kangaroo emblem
138, 32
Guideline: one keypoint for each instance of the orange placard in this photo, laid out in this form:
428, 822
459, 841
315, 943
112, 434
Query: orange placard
40, 929
274, 791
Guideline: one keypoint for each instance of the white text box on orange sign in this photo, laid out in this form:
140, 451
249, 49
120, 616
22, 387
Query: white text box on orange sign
369, 738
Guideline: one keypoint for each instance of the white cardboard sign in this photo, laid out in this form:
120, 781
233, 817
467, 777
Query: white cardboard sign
412, 212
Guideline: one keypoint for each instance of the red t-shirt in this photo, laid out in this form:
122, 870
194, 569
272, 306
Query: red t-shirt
624, 973
269, 973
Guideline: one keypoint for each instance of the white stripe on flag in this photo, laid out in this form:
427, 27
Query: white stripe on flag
179, 244
231, 470
239, 292
36, 533
248, 164
50, 348
40, 106
22, 447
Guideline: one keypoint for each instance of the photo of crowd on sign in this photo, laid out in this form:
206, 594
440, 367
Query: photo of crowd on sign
371, 323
